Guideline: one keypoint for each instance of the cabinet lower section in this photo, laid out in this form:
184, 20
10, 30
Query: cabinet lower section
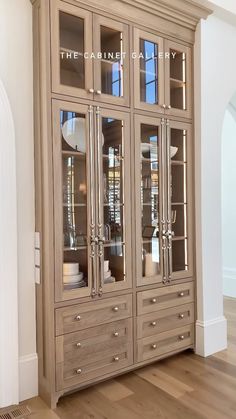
101, 339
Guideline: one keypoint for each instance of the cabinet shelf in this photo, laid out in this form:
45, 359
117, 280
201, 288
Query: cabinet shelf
178, 238
69, 249
178, 162
73, 153
178, 203
74, 205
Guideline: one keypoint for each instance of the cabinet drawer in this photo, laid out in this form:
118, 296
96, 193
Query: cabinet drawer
160, 321
94, 342
82, 316
165, 342
78, 371
161, 298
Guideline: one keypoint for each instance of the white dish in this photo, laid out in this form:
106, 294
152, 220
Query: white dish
106, 265
107, 274
80, 284
70, 268
73, 132
73, 279
152, 148
109, 280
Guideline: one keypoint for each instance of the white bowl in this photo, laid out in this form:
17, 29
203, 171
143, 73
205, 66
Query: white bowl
106, 265
70, 268
173, 151
73, 279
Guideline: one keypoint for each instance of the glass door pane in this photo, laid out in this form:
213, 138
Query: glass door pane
112, 61
71, 31
149, 77
148, 187
180, 153
72, 200
178, 79
115, 207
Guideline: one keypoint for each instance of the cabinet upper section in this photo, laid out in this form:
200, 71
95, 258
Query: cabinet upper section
114, 61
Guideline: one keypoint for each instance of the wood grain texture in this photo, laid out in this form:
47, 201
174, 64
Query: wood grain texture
185, 386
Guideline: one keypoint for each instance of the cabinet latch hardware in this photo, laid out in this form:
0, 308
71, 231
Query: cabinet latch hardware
115, 309
116, 358
154, 346
78, 318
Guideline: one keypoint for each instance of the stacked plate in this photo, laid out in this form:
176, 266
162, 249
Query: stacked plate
108, 278
72, 278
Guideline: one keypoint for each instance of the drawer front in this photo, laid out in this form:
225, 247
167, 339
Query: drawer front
76, 372
82, 316
165, 342
161, 298
160, 321
93, 342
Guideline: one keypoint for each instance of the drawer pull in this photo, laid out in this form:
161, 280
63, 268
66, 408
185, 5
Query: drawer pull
181, 294
116, 359
78, 345
181, 316
78, 371
116, 334
153, 324
115, 309
181, 337
78, 318
154, 346
153, 300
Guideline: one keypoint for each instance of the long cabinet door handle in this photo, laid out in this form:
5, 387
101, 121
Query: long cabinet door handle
100, 203
169, 221
92, 211
163, 200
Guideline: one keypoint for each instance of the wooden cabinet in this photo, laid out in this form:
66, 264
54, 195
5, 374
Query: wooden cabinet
114, 187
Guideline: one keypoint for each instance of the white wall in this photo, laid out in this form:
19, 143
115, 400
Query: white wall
229, 203
16, 72
216, 62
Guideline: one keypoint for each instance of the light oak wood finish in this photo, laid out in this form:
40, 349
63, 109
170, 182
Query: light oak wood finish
160, 321
161, 298
86, 315
65, 316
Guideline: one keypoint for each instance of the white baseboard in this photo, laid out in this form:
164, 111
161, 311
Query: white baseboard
28, 376
229, 282
211, 336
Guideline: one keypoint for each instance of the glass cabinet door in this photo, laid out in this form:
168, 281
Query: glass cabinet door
179, 214
111, 63
73, 203
113, 201
178, 80
71, 50
149, 206
148, 71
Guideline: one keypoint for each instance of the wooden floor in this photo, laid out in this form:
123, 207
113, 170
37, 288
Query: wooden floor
183, 387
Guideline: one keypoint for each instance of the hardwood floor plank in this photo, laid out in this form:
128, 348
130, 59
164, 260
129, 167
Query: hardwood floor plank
113, 390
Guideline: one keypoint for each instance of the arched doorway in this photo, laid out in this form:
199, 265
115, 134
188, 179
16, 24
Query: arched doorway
9, 376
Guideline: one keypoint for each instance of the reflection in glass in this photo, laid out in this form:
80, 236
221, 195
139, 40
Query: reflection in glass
178, 80
74, 195
149, 200
112, 65
72, 71
113, 202
148, 72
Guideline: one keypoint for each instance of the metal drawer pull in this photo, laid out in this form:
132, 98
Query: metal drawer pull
181, 294
169, 107
116, 334
115, 308
98, 92
181, 337
181, 316
153, 323
78, 371
78, 345
154, 346
116, 358
78, 318
153, 300
91, 90
164, 106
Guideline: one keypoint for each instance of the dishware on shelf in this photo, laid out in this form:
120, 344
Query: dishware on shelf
73, 131
153, 150
109, 280
70, 268
73, 279
107, 232
151, 268
107, 274
173, 151
106, 265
